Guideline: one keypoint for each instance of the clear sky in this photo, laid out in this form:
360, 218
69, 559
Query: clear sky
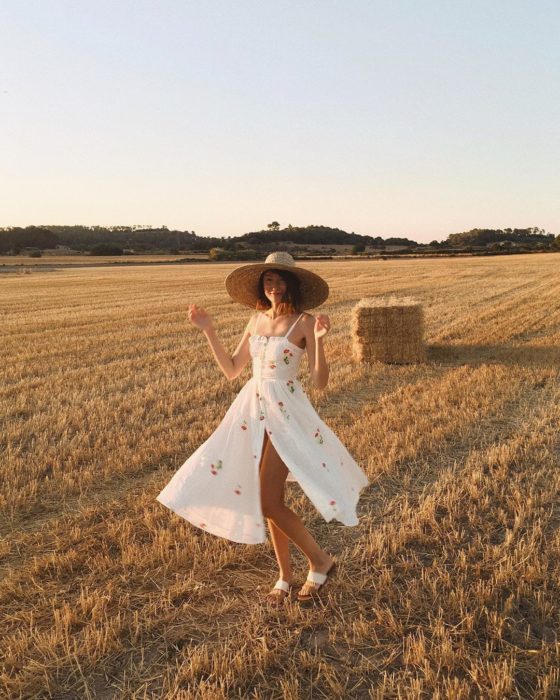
413, 118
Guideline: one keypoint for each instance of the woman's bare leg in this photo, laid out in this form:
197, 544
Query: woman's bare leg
280, 541
273, 473
281, 545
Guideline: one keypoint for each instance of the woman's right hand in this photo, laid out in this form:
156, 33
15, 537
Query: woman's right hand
199, 316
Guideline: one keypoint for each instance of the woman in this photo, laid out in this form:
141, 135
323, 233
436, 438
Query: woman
271, 432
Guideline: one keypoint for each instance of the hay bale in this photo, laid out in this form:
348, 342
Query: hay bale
388, 329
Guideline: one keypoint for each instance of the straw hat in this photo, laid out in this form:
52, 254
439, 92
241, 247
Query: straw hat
243, 283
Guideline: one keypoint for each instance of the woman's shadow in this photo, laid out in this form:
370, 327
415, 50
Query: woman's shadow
524, 355
378, 379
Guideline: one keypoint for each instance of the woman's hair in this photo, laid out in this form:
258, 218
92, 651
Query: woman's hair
291, 301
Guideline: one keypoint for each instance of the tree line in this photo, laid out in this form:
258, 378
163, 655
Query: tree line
119, 239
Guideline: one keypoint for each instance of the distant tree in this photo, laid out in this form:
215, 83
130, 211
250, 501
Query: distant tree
485, 236
302, 235
248, 254
214, 253
227, 244
274, 226
221, 254
358, 248
39, 237
556, 242
105, 249
400, 241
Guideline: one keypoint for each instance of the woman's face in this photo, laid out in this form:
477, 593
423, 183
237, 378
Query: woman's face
274, 287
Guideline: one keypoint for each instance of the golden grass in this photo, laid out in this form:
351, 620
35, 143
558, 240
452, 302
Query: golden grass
448, 588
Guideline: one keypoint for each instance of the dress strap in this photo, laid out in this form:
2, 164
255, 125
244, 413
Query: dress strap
291, 328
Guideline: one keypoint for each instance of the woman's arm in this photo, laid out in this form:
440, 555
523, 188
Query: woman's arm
315, 330
231, 365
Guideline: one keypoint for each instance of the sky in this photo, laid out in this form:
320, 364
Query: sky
415, 118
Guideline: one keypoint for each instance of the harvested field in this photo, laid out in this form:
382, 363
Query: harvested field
448, 588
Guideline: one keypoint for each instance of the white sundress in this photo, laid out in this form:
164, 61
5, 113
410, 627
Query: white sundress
218, 488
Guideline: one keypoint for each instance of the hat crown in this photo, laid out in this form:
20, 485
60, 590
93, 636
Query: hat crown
280, 258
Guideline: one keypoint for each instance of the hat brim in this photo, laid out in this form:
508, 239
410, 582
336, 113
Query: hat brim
242, 284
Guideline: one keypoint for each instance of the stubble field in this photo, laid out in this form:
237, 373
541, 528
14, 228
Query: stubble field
448, 588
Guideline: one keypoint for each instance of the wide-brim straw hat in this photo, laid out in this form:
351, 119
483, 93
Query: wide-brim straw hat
242, 284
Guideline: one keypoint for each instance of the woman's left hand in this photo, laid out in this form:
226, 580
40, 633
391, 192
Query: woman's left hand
322, 325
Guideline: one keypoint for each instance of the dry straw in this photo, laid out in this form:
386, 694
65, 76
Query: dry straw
388, 329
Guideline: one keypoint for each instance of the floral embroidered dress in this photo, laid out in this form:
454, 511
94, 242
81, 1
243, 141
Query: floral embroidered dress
218, 488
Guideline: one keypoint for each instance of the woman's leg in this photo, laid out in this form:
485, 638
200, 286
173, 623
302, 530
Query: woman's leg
280, 542
273, 473
281, 545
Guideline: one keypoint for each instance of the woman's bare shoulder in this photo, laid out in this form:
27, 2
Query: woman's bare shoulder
252, 321
308, 320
